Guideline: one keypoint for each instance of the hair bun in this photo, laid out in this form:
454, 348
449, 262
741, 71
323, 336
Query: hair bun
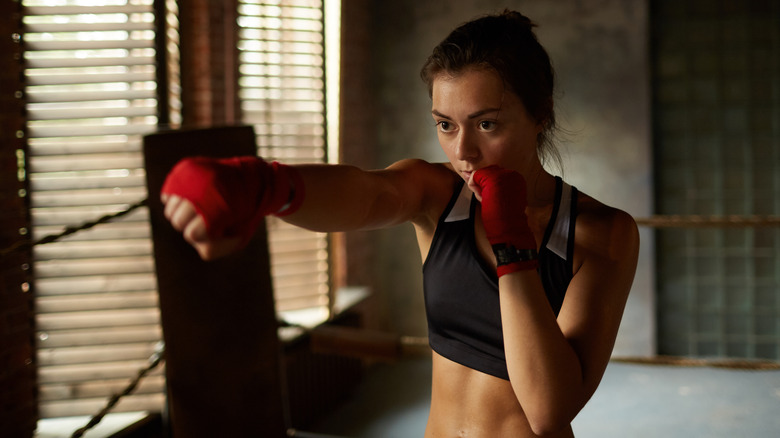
518, 18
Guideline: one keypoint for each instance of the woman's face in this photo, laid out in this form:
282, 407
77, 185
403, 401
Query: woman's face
480, 123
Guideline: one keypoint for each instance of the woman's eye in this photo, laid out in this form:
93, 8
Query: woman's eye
487, 125
444, 126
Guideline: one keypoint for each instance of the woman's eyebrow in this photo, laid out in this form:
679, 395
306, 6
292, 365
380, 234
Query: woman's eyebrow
470, 116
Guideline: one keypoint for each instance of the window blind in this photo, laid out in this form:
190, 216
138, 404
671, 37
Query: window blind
91, 93
282, 93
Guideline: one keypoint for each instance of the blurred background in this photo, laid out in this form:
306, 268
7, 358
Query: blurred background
667, 108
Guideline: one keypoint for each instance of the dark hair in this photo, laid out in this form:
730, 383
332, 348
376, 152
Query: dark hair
506, 44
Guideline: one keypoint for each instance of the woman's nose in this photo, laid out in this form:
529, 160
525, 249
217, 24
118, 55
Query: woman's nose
466, 148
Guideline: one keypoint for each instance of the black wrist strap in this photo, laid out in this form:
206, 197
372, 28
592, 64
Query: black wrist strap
506, 254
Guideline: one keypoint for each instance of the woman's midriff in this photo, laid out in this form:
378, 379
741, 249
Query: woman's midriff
468, 403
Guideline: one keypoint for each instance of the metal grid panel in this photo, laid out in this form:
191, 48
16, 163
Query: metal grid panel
717, 129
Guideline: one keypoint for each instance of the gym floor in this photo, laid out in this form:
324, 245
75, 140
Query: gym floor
634, 400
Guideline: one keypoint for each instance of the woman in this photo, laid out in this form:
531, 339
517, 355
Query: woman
525, 278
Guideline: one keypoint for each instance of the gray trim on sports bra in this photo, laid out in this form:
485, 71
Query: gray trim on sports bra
558, 239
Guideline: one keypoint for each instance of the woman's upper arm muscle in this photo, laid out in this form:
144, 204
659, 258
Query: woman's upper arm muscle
608, 246
343, 198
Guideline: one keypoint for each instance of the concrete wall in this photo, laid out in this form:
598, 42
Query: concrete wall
599, 50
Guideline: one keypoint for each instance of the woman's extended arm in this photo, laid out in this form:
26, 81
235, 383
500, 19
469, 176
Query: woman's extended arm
335, 198
344, 198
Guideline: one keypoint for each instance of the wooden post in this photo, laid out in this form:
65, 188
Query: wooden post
218, 318
18, 364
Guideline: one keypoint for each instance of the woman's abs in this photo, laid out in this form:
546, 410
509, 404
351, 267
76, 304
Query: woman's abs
468, 403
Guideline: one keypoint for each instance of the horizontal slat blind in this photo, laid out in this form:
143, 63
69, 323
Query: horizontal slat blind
282, 95
91, 93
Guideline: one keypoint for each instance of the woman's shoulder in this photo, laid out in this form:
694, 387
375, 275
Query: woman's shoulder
424, 168
605, 231
434, 182
427, 176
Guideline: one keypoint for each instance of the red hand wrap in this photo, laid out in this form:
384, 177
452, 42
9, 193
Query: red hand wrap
234, 194
504, 200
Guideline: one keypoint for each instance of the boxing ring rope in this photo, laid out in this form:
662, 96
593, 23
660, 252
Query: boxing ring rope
24, 244
700, 221
655, 221
324, 338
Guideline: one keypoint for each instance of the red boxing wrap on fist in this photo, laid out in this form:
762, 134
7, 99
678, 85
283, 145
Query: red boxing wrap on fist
504, 199
234, 194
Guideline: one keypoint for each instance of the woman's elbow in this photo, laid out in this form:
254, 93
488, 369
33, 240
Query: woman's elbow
545, 427
550, 421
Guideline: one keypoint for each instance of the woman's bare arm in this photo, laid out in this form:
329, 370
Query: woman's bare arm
345, 198
337, 198
556, 365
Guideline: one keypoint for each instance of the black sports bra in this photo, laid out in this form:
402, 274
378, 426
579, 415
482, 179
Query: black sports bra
461, 289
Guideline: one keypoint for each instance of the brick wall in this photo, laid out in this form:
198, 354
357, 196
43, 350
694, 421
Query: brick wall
18, 397
209, 70
353, 254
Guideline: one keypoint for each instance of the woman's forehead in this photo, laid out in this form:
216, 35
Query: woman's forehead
477, 87
476, 82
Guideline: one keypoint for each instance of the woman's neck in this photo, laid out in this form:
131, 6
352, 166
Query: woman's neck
541, 188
